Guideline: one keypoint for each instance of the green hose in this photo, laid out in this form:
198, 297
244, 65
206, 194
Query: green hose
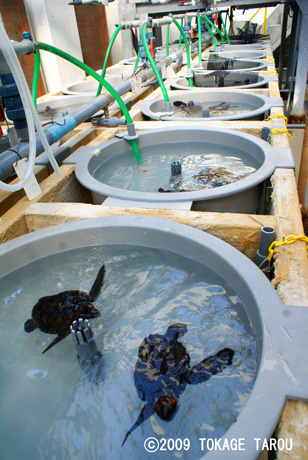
36, 73
152, 62
205, 20
105, 64
199, 38
190, 82
180, 39
167, 39
216, 28
137, 62
225, 29
109, 88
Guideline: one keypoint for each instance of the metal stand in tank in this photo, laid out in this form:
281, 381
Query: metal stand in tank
89, 357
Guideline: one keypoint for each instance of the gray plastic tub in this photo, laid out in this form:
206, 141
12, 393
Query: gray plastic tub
53, 108
227, 80
242, 54
241, 196
89, 87
234, 65
280, 330
260, 105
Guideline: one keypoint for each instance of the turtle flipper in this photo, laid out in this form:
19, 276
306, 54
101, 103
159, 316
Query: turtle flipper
59, 337
210, 366
98, 283
146, 412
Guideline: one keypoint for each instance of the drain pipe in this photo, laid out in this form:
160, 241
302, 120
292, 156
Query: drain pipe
89, 358
267, 237
56, 132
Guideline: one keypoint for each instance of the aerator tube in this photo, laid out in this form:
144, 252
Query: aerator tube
110, 45
190, 82
152, 62
109, 88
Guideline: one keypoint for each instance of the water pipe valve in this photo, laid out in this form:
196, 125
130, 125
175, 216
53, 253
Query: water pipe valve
89, 357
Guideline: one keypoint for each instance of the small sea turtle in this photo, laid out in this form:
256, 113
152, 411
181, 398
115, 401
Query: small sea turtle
163, 371
54, 314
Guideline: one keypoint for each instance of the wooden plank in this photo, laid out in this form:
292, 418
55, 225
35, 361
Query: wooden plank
65, 189
239, 230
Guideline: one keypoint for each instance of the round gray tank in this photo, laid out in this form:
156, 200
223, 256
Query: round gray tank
235, 105
89, 87
240, 196
232, 65
242, 54
222, 79
277, 375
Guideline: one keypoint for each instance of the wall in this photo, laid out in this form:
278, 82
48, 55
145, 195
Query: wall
54, 22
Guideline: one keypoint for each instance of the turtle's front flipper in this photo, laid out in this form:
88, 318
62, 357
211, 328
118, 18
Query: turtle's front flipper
59, 337
210, 366
98, 283
146, 412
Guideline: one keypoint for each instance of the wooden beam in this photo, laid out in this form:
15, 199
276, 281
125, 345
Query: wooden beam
239, 230
65, 189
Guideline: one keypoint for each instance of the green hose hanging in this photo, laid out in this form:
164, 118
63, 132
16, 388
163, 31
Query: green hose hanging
137, 62
109, 88
180, 39
205, 20
225, 29
199, 38
36, 73
190, 82
105, 64
152, 62
167, 39
216, 28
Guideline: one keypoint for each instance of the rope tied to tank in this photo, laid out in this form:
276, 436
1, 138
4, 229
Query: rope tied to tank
277, 115
279, 131
286, 240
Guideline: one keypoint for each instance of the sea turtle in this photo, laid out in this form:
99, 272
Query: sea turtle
54, 314
163, 370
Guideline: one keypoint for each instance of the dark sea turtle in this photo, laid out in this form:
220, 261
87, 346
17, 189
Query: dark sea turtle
54, 314
163, 371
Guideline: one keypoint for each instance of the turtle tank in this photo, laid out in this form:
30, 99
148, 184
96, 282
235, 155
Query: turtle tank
221, 79
147, 288
193, 314
198, 105
208, 168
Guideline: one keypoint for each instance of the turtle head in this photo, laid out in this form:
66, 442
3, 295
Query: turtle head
166, 407
89, 311
176, 330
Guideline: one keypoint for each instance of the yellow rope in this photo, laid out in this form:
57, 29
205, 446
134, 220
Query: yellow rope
272, 72
277, 115
269, 58
280, 131
287, 240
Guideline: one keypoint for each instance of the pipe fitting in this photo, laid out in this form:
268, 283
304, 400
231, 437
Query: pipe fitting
89, 358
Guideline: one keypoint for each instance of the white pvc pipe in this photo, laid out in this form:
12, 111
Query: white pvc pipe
30, 112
